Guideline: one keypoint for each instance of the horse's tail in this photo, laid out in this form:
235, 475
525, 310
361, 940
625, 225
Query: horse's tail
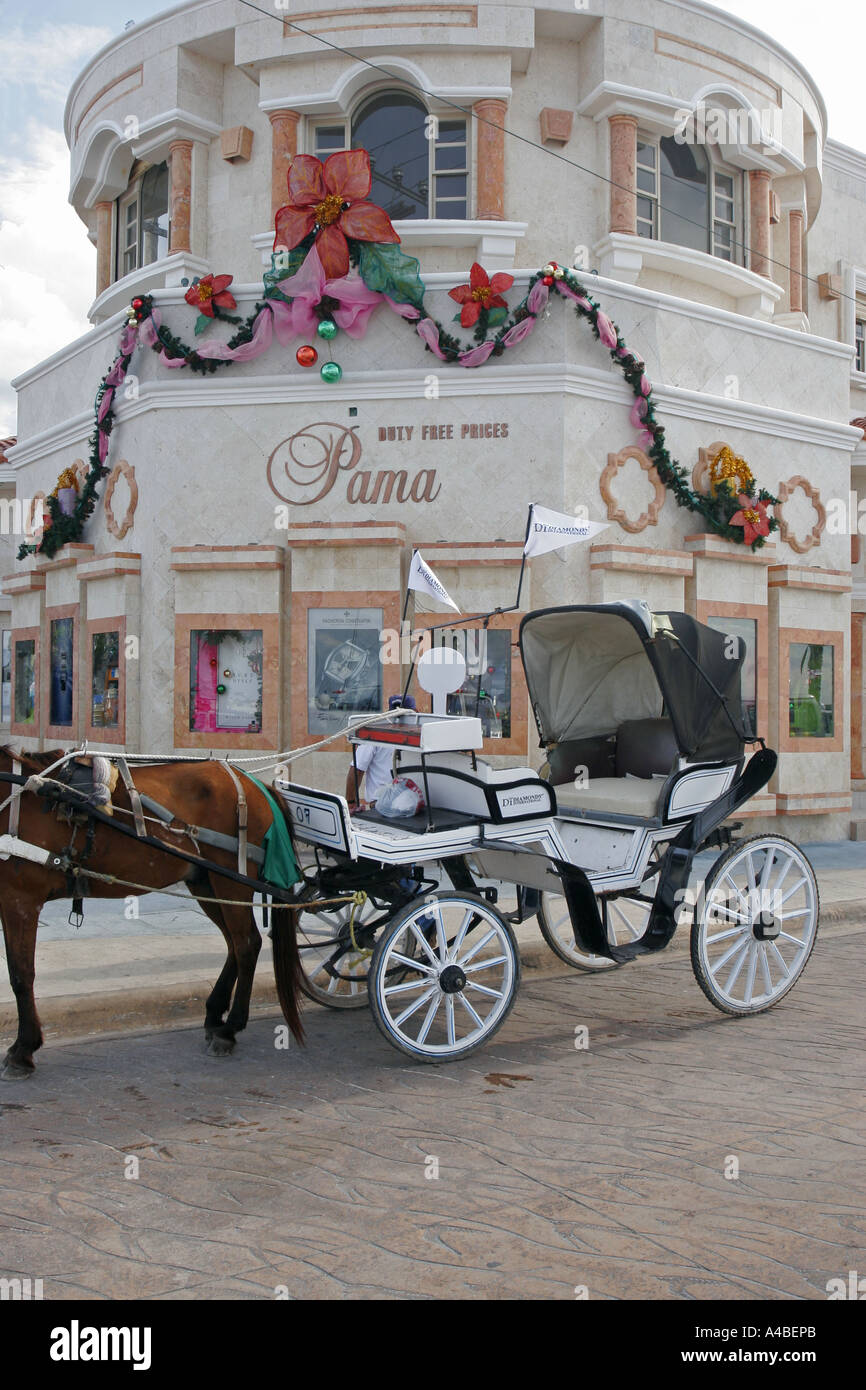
287, 966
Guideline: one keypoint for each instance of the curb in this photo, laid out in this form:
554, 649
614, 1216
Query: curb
183, 1004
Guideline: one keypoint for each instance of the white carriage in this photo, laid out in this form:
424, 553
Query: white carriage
641, 717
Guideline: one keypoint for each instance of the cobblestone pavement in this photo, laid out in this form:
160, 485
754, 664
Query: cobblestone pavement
556, 1167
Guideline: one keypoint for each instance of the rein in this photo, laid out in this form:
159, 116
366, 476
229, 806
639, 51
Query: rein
59, 793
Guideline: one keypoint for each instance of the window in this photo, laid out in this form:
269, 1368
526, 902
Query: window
25, 682
486, 691
420, 161
685, 197
860, 345
6, 686
142, 221
105, 680
810, 690
344, 665
225, 680
61, 671
747, 630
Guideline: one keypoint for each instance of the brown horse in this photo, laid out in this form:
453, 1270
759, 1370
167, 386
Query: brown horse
199, 794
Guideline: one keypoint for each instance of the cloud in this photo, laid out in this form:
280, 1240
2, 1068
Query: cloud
46, 59
47, 263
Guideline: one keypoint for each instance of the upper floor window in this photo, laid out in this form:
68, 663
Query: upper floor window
685, 197
142, 221
420, 161
860, 345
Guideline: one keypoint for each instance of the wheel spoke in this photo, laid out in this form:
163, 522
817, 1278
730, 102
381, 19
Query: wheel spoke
750, 974
797, 940
449, 1019
485, 964
469, 1009
430, 1015
786, 969
458, 940
736, 968
405, 987
476, 948
724, 935
482, 989
798, 884
723, 960
418, 965
413, 1008
441, 936
765, 968
424, 944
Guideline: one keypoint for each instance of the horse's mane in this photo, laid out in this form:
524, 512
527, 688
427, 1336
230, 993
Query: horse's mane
33, 762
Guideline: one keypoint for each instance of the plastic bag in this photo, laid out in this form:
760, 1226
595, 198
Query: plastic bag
402, 798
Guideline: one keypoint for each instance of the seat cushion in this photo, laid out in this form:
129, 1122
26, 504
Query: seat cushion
624, 796
595, 755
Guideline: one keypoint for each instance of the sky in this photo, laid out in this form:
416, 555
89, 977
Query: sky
47, 264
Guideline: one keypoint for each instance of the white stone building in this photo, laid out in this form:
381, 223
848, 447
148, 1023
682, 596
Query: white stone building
733, 261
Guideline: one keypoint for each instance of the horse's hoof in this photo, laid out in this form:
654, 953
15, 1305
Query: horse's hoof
16, 1071
221, 1047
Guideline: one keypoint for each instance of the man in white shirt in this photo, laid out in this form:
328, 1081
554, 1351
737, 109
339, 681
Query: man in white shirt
375, 765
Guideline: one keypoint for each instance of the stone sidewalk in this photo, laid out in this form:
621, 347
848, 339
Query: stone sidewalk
157, 969
526, 1171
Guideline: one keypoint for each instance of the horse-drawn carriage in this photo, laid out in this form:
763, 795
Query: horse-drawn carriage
641, 717
640, 714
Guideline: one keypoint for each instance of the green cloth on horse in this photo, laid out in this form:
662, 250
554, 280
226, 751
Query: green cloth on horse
280, 866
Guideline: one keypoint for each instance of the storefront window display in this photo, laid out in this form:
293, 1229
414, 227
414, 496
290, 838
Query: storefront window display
61, 671
105, 680
486, 690
225, 681
747, 630
25, 682
810, 690
344, 665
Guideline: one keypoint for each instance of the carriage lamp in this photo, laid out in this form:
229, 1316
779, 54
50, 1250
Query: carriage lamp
331, 372
327, 329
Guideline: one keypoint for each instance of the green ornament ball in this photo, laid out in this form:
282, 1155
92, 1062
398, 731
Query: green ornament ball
221, 690
327, 329
331, 372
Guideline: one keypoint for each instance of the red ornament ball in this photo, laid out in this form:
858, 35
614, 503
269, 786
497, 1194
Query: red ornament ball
138, 303
547, 280
307, 355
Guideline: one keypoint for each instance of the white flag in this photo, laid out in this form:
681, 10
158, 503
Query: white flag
422, 577
550, 530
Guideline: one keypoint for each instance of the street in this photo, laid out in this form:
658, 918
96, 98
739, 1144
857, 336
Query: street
680, 1155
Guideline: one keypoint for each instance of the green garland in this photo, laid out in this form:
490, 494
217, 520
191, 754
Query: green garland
716, 509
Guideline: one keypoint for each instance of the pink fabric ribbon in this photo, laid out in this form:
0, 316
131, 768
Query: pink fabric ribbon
538, 297
308, 286
520, 331
476, 357
606, 330
105, 404
430, 333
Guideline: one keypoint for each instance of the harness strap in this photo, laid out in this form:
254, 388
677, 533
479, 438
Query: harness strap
242, 818
134, 797
198, 832
15, 808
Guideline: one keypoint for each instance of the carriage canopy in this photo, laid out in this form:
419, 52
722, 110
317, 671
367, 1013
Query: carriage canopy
590, 669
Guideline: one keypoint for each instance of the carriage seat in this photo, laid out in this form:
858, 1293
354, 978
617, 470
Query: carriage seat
646, 752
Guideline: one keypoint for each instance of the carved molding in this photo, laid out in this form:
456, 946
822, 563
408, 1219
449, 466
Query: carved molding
787, 490
615, 511
120, 470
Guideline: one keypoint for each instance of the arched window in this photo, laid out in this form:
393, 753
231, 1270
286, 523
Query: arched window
688, 197
142, 220
420, 161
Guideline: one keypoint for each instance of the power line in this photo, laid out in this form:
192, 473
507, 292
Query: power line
515, 135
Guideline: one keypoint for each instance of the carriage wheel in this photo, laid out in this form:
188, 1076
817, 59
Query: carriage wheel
334, 968
444, 976
756, 924
626, 918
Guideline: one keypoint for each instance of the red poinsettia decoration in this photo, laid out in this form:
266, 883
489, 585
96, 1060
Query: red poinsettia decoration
481, 293
332, 198
211, 290
753, 518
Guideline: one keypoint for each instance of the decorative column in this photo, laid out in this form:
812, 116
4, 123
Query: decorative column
759, 234
284, 147
623, 169
103, 246
490, 162
180, 192
795, 261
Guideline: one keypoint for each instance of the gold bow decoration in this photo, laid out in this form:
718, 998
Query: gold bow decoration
725, 466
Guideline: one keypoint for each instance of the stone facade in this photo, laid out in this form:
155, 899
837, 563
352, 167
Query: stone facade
210, 525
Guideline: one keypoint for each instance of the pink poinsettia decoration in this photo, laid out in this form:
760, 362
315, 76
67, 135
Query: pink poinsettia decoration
332, 198
753, 518
482, 292
211, 290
